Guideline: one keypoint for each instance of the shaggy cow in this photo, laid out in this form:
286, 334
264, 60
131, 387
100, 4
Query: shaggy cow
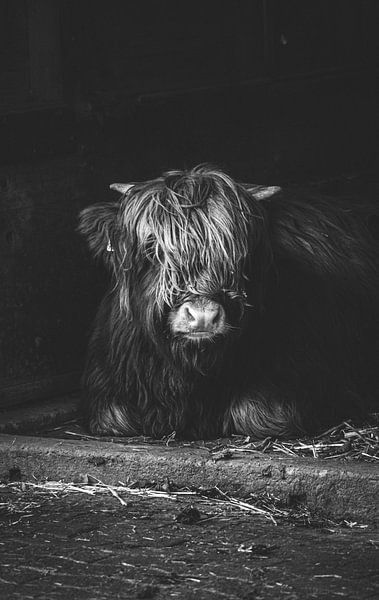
234, 309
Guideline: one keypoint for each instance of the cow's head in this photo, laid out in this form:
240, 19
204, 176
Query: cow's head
189, 251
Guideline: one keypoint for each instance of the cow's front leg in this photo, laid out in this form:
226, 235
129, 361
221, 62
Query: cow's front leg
262, 413
105, 417
106, 410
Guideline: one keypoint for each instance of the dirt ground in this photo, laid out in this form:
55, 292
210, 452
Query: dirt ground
74, 545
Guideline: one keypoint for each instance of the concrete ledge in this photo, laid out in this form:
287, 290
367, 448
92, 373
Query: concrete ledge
36, 416
338, 490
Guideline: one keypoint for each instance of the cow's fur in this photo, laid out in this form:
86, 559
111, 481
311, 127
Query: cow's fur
233, 309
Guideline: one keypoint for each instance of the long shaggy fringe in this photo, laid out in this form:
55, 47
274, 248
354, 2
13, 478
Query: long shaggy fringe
198, 228
191, 226
297, 277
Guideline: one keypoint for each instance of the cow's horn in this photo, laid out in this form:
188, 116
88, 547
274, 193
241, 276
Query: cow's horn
121, 187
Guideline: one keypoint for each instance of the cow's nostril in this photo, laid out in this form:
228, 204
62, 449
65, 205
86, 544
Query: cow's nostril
190, 314
214, 316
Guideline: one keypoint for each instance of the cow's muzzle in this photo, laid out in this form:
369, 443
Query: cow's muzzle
198, 318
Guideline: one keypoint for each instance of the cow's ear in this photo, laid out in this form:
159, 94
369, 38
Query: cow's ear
98, 224
262, 192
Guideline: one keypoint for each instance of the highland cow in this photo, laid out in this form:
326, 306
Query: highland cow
234, 309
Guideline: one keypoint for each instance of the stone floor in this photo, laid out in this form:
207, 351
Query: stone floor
74, 545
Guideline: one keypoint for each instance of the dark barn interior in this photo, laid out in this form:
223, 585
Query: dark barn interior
96, 92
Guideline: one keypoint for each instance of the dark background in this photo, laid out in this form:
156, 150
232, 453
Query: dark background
273, 91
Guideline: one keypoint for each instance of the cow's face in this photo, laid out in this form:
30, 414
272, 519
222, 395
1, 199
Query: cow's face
182, 248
